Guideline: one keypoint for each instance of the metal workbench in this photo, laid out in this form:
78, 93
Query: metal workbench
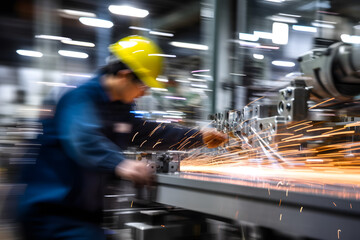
298, 214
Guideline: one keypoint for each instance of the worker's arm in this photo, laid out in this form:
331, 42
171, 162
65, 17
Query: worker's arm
157, 136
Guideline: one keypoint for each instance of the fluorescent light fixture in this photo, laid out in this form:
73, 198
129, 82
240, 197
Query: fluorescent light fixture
199, 85
77, 75
29, 53
268, 47
264, 35
283, 63
357, 27
182, 81
322, 25
56, 84
96, 22
159, 89
238, 74
201, 75
289, 15
352, 39
51, 37
248, 44
201, 70
280, 33
128, 11
139, 28
77, 13
162, 80
304, 28
73, 54
164, 34
78, 43
175, 98
276, 18
162, 55
248, 37
258, 56
327, 22
189, 45
197, 79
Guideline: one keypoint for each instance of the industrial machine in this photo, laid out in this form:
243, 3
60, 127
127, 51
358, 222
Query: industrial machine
291, 168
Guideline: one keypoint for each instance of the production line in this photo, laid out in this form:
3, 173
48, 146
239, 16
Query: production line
290, 167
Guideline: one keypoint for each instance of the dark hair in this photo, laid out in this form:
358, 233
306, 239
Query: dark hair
114, 66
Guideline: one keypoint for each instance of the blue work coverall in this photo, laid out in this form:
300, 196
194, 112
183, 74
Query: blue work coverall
80, 147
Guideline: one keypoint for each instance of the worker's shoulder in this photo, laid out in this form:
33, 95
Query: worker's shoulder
90, 91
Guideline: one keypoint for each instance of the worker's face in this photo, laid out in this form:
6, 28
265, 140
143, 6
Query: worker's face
132, 88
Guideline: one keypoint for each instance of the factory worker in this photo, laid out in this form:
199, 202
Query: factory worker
81, 146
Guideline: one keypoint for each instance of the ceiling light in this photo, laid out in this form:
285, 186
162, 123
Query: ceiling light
56, 84
238, 74
78, 43
258, 56
162, 80
159, 89
182, 81
73, 54
189, 45
128, 11
289, 15
29, 53
248, 44
283, 63
327, 22
163, 55
139, 28
77, 13
322, 25
280, 33
304, 28
199, 85
264, 35
357, 27
268, 47
201, 70
248, 37
161, 34
96, 22
174, 97
78, 75
353, 39
276, 18
201, 75
51, 37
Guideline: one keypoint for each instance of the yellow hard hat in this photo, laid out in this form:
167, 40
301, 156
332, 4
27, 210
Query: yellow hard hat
142, 56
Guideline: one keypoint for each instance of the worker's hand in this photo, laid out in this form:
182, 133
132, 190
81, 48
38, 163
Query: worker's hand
213, 138
137, 172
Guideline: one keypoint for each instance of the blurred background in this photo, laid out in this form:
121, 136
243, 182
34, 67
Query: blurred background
219, 55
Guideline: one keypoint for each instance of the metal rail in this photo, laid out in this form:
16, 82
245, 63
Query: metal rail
297, 214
